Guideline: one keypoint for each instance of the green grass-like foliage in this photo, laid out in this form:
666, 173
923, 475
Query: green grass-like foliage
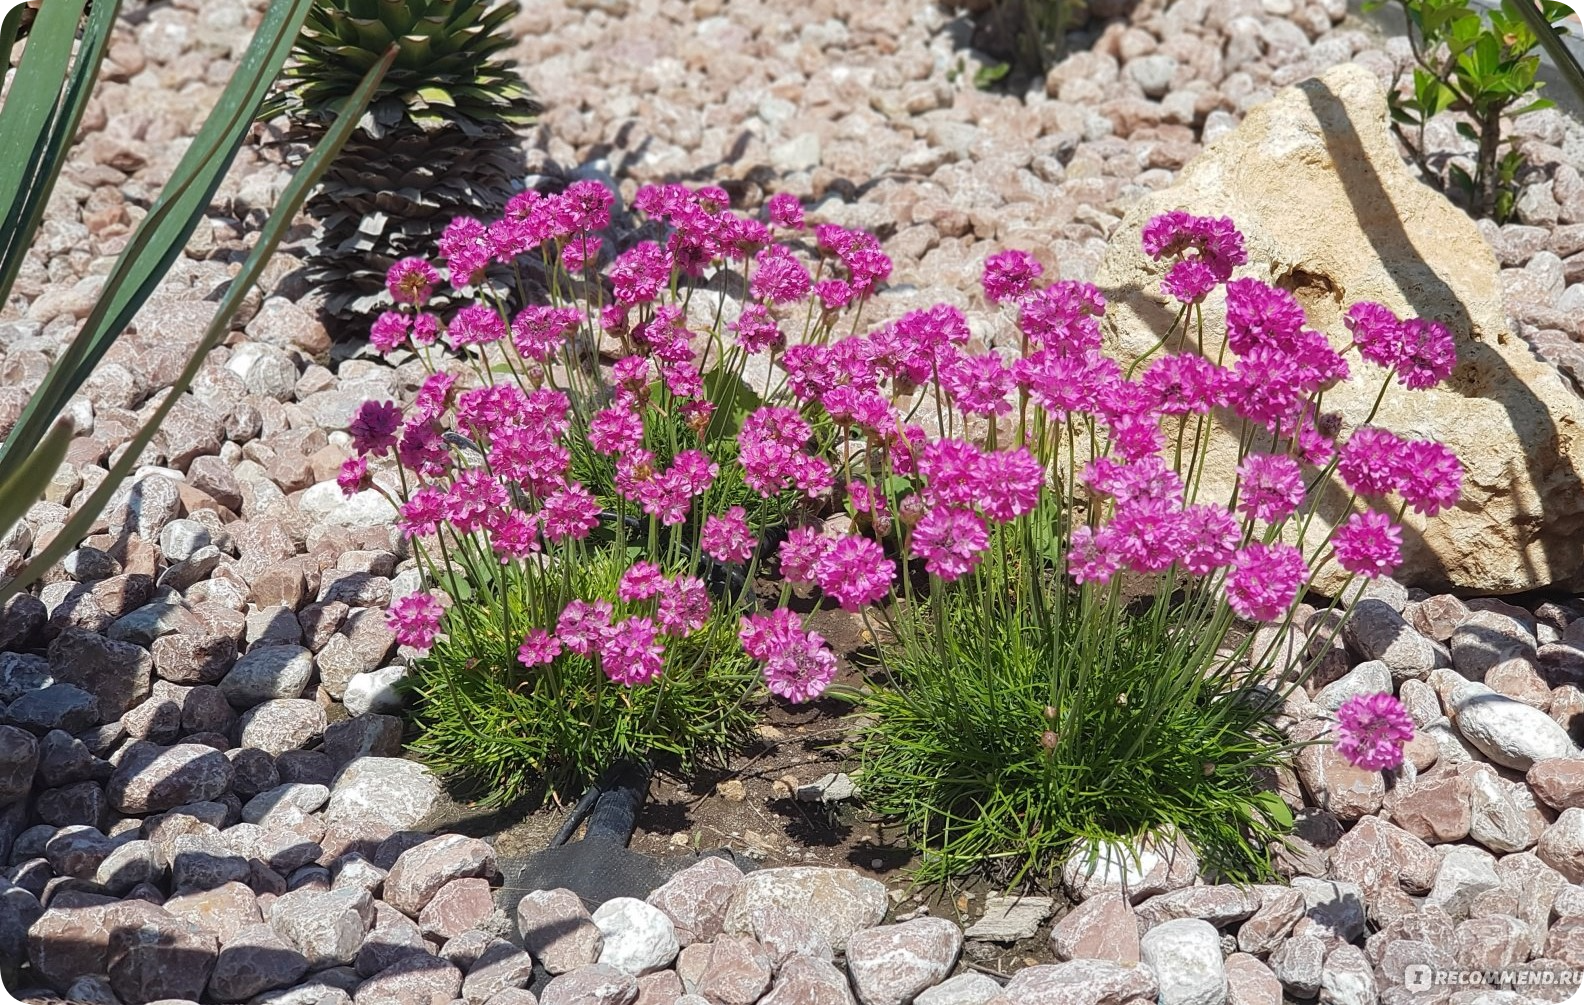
1014, 714
504, 730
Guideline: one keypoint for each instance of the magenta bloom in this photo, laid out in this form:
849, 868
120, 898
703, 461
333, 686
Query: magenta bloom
779, 277
466, 249
1090, 557
684, 606
1010, 274
854, 571
1185, 383
631, 652
640, 582
1433, 477
374, 426
1369, 544
538, 648
1270, 488
389, 331
1371, 731
1009, 483
1265, 580
1428, 354
1259, 314
434, 396
726, 537
475, 324
425, 330
1147, 534
421, 514
798, 664
582, 624
785, 210
1189, 281
353, 476
979, 385
415, 620
800, 552
1210, 538
1377, 333
1373, 462
570, 513
756, 329
951, 541
411, 281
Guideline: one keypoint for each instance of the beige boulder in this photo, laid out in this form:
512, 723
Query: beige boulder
1331, 212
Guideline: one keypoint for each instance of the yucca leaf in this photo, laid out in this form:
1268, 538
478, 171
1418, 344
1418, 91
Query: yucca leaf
31, 110
372, 34
275, 229
24, 484
9, 26
164, 231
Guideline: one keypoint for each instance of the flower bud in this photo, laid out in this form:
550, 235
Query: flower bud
1049, 739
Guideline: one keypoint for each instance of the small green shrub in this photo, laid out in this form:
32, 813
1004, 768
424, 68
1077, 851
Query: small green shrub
1482, 66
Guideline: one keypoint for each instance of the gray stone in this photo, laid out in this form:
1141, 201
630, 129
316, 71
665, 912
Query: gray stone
638, 939
59, 706
150, 778
327, 928
1011, 919
253, 961
282, 724
1186, 957
263, 674
892, 964
558, 930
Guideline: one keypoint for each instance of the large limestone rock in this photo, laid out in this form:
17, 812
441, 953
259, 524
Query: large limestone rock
1331, 212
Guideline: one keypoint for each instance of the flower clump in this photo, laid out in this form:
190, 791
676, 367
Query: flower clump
938, 448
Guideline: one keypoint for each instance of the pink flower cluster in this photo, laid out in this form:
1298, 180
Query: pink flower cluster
1372, 730
798, 665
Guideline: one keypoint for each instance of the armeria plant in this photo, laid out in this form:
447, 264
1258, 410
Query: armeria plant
1058, 606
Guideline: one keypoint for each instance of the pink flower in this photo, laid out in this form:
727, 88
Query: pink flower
1372, 730
640, 582
785, 210
1433, 477
1372, 462
1429, 354
801, 552
475, 324
1010, 274
1265, 580
1270, 487
1009, 484
726, 537
798, 664
950, 541
466, 249
1369, 544
513, 534
570, 514
582, 624
473, 497
1147, 534
425, 329
854, 571
1189, 281
389, 331
434, 396
538, 648
1259, 314
779, 277
353, 476
1185, 383
1064, 316
834, 294
538, 331
630, 652
615, 430
1210, 538
1146, 478
586, 205
415, 620
684, 606
979, 385
756, 329
1214, 240
420, 515
411, 281
1089, 557
1377, 332
373, 427
640, 273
